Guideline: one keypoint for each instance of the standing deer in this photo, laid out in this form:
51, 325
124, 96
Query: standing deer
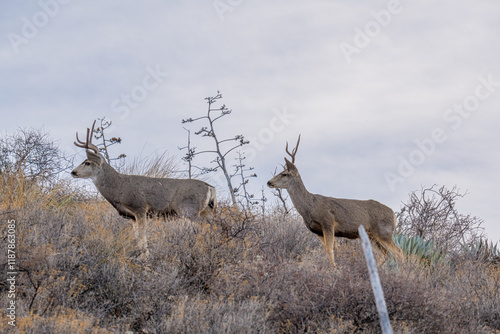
329, 217
138, 197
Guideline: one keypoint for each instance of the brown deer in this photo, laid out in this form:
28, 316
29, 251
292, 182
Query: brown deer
138, 197
329, 217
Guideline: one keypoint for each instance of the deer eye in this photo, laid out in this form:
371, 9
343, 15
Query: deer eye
285, 174
86, 163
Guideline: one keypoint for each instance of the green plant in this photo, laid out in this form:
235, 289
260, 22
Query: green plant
424, 251
482, 251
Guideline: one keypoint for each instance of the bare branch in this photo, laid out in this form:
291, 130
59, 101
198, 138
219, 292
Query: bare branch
431, 214
34, 154
209, 131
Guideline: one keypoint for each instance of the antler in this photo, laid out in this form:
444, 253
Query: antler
294, 151
88, 143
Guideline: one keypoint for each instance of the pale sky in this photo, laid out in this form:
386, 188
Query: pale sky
389, 96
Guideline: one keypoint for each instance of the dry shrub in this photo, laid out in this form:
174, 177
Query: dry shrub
61, 262
62, 321
281, 238
78, 272
197, 315
477, 289
431, 214
310, 297
198, 250
17, 192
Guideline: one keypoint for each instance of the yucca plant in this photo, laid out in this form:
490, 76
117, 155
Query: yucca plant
482, 251
425, 251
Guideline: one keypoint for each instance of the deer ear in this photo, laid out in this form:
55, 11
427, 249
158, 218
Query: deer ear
290, 166
95, 157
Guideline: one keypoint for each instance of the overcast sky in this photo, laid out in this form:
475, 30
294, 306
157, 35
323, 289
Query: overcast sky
389, 96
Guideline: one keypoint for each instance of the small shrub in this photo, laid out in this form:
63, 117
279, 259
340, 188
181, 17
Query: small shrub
197, 315
431, 213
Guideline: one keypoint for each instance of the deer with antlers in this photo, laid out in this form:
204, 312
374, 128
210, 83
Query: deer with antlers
329, 217
138, 197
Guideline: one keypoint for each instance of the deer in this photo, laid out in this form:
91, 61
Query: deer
329, 217
138, 197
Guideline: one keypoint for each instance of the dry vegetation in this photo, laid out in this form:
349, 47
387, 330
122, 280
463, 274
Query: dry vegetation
78, 274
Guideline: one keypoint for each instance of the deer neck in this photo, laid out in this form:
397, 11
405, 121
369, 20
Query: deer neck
301, 198
107, 181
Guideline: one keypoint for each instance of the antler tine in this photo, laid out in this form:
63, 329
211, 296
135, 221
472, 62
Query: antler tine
89, 139
88, 144
294, 151
80, 143
91, 133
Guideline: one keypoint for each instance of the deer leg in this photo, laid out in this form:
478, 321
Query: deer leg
389, 246
144, 239
322, 239
329, 242
140, 234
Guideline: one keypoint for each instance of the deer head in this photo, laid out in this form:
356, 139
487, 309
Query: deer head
290, 172
93, 164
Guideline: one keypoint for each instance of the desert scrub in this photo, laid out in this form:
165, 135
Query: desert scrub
236, 273
62, 321
212, 315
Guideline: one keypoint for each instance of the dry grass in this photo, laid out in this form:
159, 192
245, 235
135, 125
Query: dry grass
155, 165
78, 274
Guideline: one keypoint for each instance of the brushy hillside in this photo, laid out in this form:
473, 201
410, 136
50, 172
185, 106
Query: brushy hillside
78, 273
